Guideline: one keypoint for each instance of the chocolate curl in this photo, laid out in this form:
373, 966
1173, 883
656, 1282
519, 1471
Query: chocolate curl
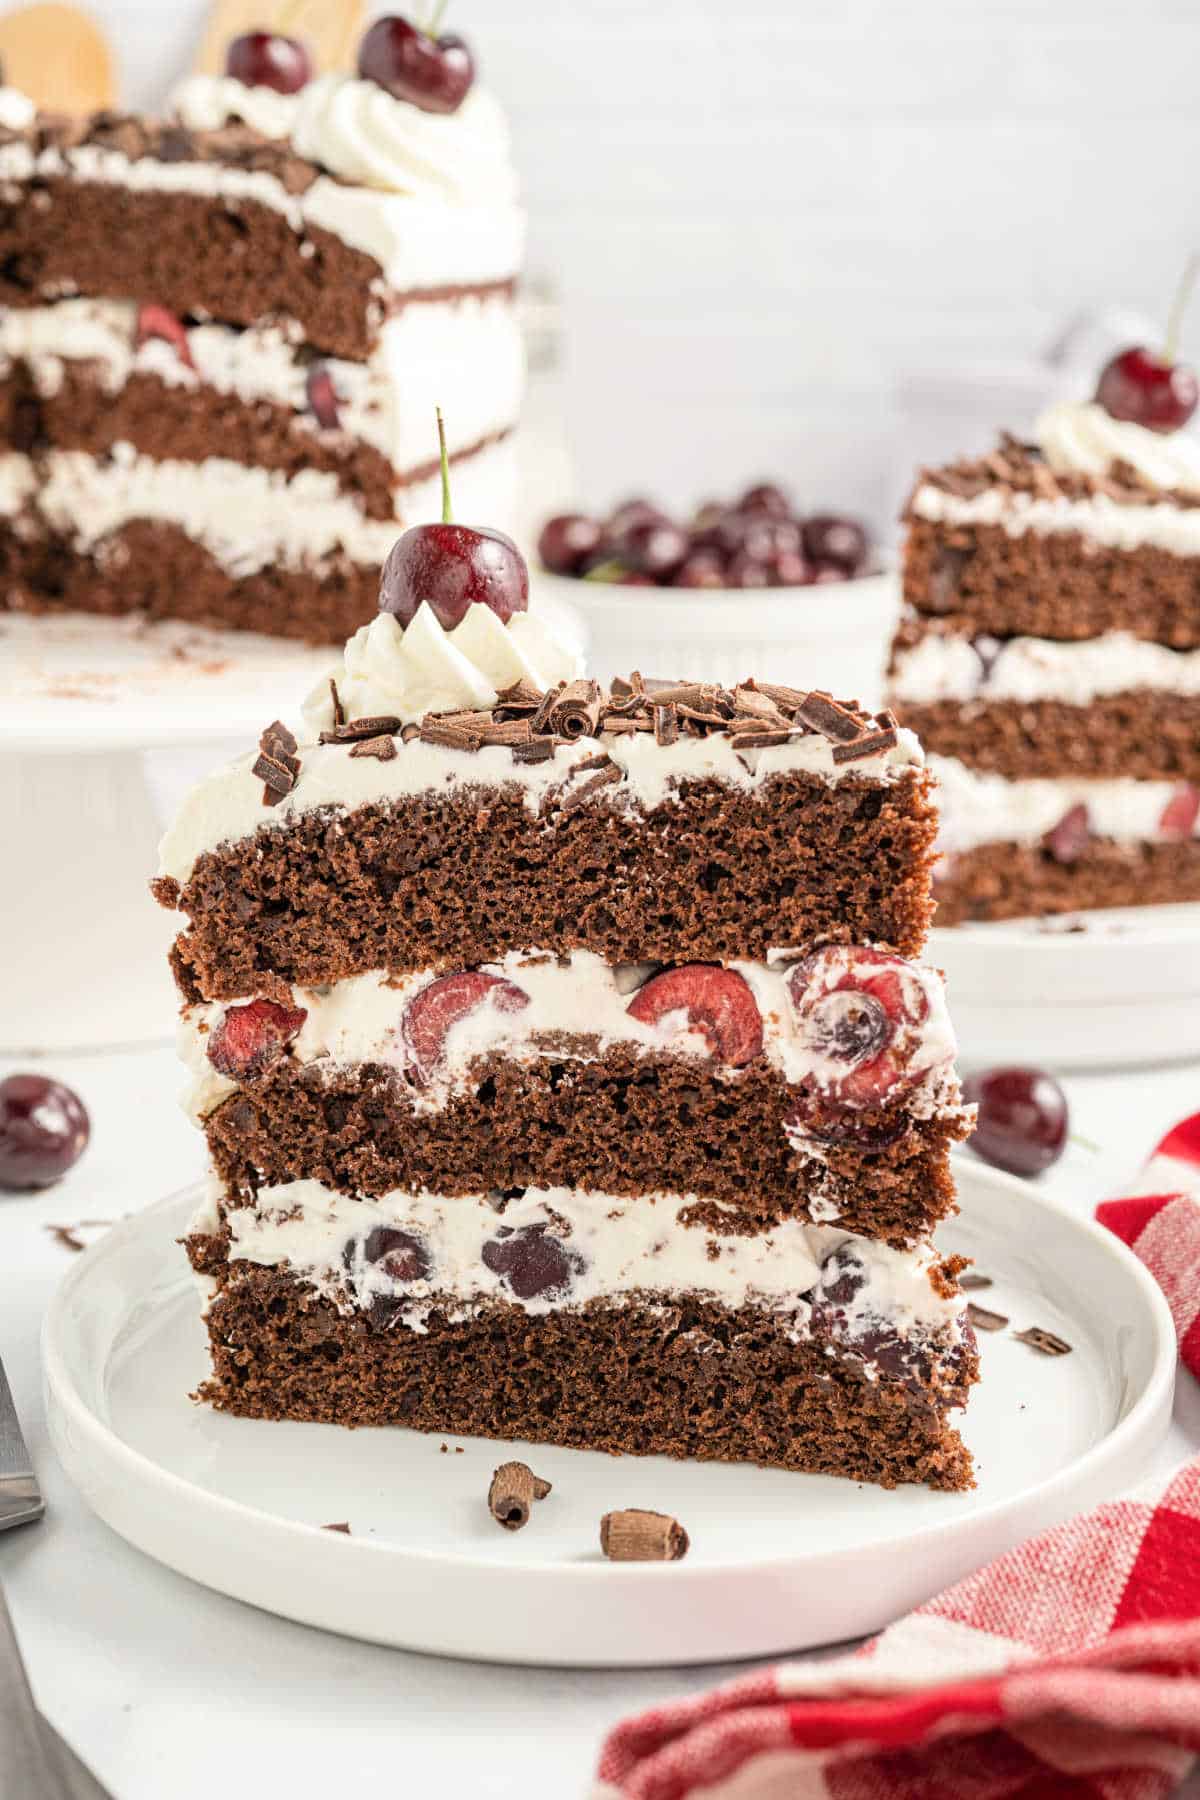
871, 743
576, 711
277, 766
636, 1536
985, 1320
514, 1488
383, 749
1038, 1338
828, 717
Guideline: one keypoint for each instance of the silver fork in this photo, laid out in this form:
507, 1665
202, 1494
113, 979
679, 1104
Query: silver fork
35, 1763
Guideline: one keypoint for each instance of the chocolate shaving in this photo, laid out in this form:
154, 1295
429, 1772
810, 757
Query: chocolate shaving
1038, 1338
971, 1283
983, 1320
825, 715
505, 731
521, 694
787, 699
761, 740
452, 737
339, 711
278, 739
871, 743
666, 724
537, 750
576, 711
619, 727
342, 1525
382, 748
513, 1490
578, 796
277, 777
409, 732
637, 1536
619, 688
354, 729
541, 717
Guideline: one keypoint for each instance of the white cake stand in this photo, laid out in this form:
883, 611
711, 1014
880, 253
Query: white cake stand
1093, 990
83, 958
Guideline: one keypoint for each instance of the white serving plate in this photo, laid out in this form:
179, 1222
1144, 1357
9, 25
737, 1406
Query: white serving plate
778, 1561
1111, 989
836, 637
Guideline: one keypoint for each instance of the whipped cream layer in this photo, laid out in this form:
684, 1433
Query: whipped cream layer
944, 666
577, 1009
982, 808
1099, 519
1083, 438
614, 1250
367, 137
464, 355
228, 805
247, 518
418, 241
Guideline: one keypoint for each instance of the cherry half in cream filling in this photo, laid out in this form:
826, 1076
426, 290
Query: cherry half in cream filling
862, 1013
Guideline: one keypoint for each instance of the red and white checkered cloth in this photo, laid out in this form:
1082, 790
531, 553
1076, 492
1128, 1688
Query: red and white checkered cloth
1067, 1670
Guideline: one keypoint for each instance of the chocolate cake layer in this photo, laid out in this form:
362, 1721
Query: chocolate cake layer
626, 1124
436, 883
235, 260
158, 570
1144, 736
691, 1379
1008, 881
1053, 584
195, 423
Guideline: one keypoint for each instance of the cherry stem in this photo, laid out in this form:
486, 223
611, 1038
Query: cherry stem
447, 515
435, 19
1183, 294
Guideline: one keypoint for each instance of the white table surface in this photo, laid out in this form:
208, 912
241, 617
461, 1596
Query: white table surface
169, 1690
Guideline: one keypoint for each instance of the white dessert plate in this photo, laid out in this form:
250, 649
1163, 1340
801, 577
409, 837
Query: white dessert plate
778, 1561
1112, 989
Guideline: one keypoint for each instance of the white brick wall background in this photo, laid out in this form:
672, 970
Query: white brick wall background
763, 215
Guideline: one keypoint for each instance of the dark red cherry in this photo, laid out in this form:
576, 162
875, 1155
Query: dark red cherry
746, 571
451, 567
789, 569
434, 73
567, 541
1022, 1119
400, 1254
655, 547
536, 1265
840, 542
43, 1130
702, 569
322, 396
1144, 389
268, 59
767, 499
627, 517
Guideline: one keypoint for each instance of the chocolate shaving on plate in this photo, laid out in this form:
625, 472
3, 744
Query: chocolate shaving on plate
342, 1525
1038, 1338
971, 1282
983, 1320
637, 1536
513, 1489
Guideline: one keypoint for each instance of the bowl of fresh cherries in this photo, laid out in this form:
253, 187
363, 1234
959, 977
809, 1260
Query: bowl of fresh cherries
745, 587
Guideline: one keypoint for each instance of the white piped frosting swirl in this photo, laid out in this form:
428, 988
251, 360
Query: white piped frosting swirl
387, 669
1080, 437
17, 111
364, 135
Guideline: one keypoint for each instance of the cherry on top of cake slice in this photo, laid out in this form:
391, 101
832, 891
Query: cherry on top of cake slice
1152, 388
452, 567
